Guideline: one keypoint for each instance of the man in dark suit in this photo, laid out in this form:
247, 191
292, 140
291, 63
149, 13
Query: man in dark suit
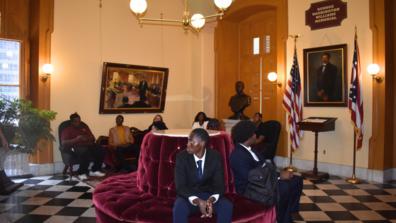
243, 159
199, 180
326, 79
143, 87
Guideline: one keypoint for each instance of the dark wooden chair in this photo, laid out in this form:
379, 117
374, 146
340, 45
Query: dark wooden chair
269, 146
69, 158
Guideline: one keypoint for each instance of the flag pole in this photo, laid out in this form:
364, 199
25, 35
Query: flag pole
353, 179
291, 168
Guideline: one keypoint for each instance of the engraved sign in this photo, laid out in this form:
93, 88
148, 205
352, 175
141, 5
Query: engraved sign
325, 14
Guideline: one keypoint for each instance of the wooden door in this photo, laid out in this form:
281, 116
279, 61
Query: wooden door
261, 61
235, 61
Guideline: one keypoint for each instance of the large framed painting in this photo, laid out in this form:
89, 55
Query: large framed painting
132, 89
325, 77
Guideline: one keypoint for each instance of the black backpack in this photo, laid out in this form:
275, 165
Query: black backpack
262, 184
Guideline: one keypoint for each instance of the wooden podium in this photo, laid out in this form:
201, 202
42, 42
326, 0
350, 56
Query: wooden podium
316, 125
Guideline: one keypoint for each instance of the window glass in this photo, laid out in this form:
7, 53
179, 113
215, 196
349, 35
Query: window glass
256, 45
267, 44
10, 51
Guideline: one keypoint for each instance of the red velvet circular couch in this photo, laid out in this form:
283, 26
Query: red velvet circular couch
148, 194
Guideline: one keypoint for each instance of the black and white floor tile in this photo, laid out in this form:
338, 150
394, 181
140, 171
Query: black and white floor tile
56, 199
48, 199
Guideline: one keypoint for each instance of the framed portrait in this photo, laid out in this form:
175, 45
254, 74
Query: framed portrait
325, 77
132, 89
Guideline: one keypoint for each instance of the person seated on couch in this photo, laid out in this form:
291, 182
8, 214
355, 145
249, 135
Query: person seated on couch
199, 181
200, 121
214, 124
243, 159
257, 119
157, 119
122, 141
79, 139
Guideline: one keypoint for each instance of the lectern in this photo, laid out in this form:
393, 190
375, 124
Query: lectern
316, 125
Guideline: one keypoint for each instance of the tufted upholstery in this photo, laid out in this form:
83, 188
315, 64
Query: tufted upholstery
148, 194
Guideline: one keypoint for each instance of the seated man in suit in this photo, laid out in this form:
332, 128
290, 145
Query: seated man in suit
199, 180
243, 159
122, 141
79, 139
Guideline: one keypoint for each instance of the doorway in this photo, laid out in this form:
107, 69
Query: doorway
250, 42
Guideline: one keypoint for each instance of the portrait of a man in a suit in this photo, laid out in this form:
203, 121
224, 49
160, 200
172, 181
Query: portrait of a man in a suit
324, 76
199, 180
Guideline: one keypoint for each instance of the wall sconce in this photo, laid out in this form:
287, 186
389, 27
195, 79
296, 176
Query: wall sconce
272, 77
373, 70
48, 70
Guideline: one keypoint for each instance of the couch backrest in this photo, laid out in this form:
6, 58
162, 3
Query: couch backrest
157, 162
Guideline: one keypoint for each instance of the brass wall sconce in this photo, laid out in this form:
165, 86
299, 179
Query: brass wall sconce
47, 71
272, 77
373, 70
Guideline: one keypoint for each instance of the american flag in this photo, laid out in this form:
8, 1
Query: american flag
355, 100
293, 104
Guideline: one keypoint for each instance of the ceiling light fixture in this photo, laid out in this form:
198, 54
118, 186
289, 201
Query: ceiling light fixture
196, 21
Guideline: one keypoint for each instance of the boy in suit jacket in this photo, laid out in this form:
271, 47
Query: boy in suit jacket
243, 159
199, 180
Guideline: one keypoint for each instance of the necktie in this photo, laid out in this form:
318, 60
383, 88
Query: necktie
199, 169
323, 68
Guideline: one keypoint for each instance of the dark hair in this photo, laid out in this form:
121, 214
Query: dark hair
326, 54
198, 114
213, 124
158, 116
160, 125
74, 115
242, 131
202, 134
120, 116
259, 114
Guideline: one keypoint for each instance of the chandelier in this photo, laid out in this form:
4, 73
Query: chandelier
196, 21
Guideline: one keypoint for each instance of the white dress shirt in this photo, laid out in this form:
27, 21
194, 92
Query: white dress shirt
196, 125
196, 158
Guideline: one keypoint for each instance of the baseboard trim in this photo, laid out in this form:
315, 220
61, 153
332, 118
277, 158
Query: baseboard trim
390, 174
46, 169
340, 170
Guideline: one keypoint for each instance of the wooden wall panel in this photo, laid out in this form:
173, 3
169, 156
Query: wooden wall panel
226, 66
381, 148
238, 16
31, 21
41, 28
390, 41
258, 25
15, 25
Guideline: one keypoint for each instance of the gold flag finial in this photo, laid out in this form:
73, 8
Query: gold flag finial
295, 37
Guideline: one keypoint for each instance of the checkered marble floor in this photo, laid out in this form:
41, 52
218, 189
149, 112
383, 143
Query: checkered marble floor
48, 199
338, 201
56, 199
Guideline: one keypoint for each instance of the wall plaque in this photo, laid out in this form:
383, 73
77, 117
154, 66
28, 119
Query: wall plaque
326, 14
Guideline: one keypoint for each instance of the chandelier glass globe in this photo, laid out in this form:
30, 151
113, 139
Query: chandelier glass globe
223, 4
197, 21
138, 6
